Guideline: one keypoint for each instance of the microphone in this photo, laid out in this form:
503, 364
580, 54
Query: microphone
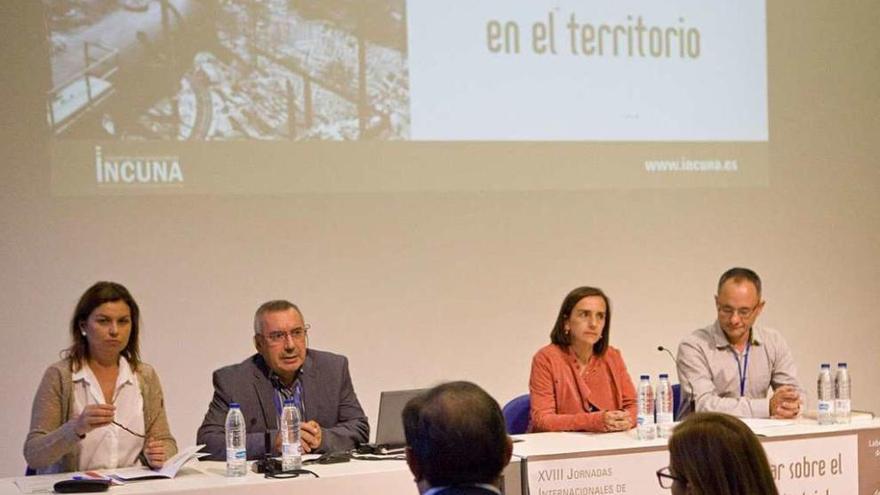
663, 349
681, 401
267, 464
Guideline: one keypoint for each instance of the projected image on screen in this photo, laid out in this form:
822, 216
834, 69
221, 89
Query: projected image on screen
316, 96
571, 70
223, 70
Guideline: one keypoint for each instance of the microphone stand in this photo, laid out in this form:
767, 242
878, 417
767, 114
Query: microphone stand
681, 391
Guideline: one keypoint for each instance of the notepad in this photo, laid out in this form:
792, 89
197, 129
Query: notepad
169, 469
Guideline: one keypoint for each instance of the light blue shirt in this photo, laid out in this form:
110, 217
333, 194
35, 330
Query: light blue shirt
709, 372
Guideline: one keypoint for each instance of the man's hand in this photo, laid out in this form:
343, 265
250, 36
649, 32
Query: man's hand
310, 433
617, 420
785, 403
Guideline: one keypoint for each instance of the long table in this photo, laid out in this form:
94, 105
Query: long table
807, 459
358, 477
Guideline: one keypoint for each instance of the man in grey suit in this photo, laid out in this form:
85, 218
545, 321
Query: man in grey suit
284, 368
456, 440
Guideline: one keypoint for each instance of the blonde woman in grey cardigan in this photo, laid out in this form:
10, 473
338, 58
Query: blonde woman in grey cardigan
100, 406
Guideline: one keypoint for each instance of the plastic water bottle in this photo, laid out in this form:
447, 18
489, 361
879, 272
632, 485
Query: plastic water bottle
646, 429
842, 391
236, 442
291, 456
825, 396
664, 406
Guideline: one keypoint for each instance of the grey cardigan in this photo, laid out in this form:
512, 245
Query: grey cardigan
50, 446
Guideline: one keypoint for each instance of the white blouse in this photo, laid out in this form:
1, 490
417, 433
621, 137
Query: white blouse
110, 446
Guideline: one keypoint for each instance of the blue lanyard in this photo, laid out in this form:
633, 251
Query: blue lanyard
743, 368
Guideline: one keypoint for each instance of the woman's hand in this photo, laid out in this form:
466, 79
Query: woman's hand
94, 416
617, 421
155, 453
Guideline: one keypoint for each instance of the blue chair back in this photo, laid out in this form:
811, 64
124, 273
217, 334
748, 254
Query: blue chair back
516, 414
676, 400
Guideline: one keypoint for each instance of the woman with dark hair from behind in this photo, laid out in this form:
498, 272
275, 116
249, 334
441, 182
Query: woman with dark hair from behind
716, 454
100, 406
578, 381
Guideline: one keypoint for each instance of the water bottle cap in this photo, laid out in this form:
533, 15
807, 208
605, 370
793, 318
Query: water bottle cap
841, 365
644, 377
664, 376
234, 405
826, 365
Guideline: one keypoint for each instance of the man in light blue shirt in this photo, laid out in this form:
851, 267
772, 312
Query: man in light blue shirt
730, 365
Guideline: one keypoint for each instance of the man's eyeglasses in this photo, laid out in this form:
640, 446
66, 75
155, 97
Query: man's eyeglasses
279, 336
743, 313
666, 478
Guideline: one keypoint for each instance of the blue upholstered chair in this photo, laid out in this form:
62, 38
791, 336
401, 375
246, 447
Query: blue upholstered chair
516, 414
676, 400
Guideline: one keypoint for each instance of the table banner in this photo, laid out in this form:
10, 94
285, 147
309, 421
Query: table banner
599, 475
815, 466
869, 462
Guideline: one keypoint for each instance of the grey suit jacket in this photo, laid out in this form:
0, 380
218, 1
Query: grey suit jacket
328, 397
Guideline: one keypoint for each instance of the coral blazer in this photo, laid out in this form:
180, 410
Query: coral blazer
561, 399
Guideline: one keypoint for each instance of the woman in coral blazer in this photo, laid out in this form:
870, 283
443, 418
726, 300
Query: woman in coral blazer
578, 381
